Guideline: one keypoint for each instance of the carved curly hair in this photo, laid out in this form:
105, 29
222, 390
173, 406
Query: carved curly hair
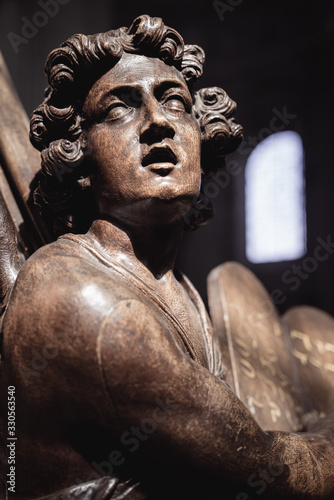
62, 194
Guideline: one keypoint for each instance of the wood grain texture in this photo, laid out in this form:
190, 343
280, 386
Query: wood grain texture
20, 161
109, 353
255, 347
312, 343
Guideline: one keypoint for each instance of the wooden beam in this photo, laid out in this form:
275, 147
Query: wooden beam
19, 160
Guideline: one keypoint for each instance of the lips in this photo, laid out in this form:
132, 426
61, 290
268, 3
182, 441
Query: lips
160, 159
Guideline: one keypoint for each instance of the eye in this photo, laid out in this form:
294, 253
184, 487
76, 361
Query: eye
175, 103
116, 110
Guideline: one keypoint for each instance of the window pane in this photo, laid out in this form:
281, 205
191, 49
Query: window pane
275, 200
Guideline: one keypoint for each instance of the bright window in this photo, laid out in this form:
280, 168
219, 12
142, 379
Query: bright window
275, 200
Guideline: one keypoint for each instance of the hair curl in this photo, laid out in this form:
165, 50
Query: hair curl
62, 194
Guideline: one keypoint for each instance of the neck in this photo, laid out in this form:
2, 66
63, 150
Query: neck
144, 248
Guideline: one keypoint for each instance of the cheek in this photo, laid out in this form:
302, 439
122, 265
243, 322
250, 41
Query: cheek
193, 136
109, 147
192, 146
100, 145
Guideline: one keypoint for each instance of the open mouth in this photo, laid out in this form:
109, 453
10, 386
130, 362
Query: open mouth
160, 159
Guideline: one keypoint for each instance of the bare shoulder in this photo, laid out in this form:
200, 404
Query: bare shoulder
63, 291
62, 296
68, 314
63, 276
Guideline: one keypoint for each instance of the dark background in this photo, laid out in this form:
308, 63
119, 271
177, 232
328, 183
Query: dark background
265, 55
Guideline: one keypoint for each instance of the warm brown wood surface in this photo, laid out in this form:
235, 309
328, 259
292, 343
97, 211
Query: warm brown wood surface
20, 161
257, 353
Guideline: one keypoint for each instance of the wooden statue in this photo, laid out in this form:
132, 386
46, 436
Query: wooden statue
114, 382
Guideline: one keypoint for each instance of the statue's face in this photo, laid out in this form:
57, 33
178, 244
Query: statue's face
142, 138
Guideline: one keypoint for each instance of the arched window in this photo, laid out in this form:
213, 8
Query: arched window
275, 199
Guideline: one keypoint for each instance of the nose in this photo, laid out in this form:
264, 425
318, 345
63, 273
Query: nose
156, 125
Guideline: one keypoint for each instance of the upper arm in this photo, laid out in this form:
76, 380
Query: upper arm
153, 384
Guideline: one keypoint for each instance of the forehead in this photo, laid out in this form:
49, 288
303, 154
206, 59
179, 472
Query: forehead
137, 71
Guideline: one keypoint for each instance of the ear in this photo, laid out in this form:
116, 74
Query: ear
85, 182
84, 143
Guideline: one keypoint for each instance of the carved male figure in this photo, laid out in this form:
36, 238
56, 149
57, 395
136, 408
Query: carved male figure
132, 382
